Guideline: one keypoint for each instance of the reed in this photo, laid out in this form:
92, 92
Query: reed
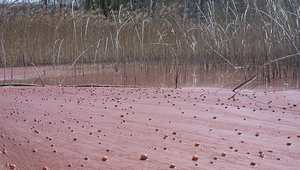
232, 35
3, 59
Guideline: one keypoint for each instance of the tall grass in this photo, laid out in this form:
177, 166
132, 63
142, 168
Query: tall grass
221, 34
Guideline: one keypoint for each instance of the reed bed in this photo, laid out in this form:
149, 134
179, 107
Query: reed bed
218, 34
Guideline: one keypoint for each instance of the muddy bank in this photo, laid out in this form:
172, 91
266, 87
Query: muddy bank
74, 128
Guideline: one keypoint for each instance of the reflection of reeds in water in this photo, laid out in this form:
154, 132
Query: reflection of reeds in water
158, 74
239, 38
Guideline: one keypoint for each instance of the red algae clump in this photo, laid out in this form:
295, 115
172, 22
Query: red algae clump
172, 166
195, 158
253, 163
224, 154
12, 166
104, 158
144, 157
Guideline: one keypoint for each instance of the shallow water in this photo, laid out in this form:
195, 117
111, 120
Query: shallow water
150, 75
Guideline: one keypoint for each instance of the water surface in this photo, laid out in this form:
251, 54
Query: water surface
155, 74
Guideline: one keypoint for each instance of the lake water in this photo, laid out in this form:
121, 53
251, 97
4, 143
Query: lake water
155, 74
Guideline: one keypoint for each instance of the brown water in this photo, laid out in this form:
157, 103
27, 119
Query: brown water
150, 75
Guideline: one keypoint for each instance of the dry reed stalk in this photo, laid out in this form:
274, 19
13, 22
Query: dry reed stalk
282, 27
53, 56
137, 32
40, 77
3, 58
95, 58
118, 29
58, 55
76, 61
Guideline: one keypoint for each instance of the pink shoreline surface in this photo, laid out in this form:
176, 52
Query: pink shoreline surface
74, 128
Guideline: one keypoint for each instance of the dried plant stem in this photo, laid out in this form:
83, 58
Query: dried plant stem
226, 60
74, 23
137, 32
40, 77
53, 57
76, 61
86, 29
281, 26
95, 58
4, 58
24, 64
59, 52
118, 29
17, 84
256, 74
74, 33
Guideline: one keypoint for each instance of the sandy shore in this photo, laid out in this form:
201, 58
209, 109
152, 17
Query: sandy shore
74, 128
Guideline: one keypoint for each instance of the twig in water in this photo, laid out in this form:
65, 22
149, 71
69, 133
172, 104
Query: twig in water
40, 77
57, 81
245, 83
17, 84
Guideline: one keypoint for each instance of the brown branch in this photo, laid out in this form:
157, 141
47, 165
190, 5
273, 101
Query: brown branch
25, 84
17, 84
102, 85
